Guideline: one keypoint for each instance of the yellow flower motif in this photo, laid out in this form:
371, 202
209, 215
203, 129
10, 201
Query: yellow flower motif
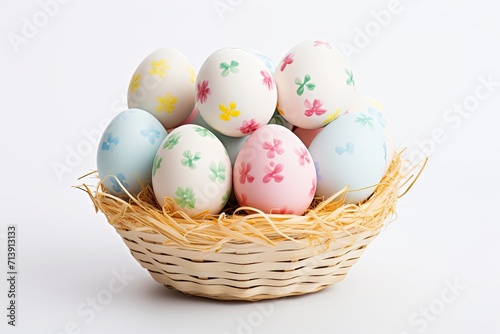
135, 83
166, 103
191, 74
378, 105
282, 113
332, 117
159, 68
228, 112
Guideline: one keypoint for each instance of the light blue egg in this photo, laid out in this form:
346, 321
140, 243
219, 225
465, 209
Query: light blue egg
127, 149
270, 65
232, 144
349, 151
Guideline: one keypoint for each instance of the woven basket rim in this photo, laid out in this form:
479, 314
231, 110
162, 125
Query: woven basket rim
323, 221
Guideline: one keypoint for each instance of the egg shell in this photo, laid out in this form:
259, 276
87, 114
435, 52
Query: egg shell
193, 169
163, 84
372, 107
270, 65
349, 151
232, 144
315, 84
236, 94
126, 151
274, 172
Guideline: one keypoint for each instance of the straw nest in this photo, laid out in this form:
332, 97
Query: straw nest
324, 221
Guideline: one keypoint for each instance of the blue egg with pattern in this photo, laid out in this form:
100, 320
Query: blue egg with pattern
126, 151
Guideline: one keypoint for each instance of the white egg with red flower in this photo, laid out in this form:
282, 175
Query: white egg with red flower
274, 172
315, 84
235, 92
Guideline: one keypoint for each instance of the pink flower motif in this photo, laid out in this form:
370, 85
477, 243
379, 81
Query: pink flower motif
321, 43
273, 174
249, 126
303, 156
242, 199
273, 148
285, 211
203, 91
286, 61
268, 80
244, 170
314, 108
313, 188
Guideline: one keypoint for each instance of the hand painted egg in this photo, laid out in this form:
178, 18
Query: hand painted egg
315, 84
232, 144
274, 172
349, 151
193, 169
163, 84
235, 92
271, 66
374, 109
127, 149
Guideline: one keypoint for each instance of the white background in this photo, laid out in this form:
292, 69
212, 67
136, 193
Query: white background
69, 77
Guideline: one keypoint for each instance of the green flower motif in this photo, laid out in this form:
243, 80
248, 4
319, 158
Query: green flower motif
218, 173
185, 198
225, 197
226, 68
204, 132
365, 120
350, 78
304, 84
173, 139
156, 164
189, 159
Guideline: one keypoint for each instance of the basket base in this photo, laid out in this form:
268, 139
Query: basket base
247, 271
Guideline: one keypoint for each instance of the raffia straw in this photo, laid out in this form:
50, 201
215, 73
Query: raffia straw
324, 219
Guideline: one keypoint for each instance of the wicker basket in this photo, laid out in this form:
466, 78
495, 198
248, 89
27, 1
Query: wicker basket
248, 255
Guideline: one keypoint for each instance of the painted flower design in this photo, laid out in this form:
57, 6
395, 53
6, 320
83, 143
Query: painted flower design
190, 159
228, 111
349, 148
135, 83
350, 78
202, 91
285, 210
110, 140
172, 140
303, 156
312, 191
243, 199
159, 68
280, 111
116, 183
192, 74
273, 173
267, 80
244, 170
365, 120
331, 117
273, 148
249, 126
203, 132
322, 43
303, 84
217, 172
156, 164
166, 103
225, 197
151, 134
286, 61
318, 174
226, 68
185, 197
378, 116
314, 108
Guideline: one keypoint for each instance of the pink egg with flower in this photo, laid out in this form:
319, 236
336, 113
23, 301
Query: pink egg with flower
274, 172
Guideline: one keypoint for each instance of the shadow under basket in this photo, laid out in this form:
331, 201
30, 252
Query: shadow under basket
246, 254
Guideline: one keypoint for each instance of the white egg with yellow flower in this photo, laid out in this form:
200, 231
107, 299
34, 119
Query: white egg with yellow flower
163, 85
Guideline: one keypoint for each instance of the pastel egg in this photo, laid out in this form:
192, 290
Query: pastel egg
127, 149
373, 108
315, 84
235, 92
274, 172
192, 168
349, 152
163, 84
